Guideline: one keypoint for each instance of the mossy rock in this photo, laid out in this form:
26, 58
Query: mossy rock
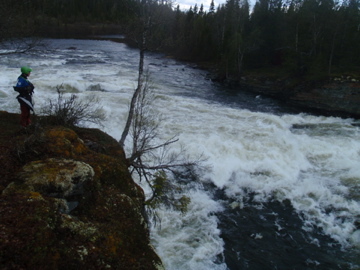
51, 167
53, 177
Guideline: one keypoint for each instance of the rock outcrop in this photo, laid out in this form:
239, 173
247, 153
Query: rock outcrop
67, 201
335, 97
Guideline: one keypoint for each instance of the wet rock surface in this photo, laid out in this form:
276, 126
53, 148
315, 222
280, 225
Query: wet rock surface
271, 235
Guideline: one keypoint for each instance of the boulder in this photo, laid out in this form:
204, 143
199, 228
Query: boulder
69, 205
53, 177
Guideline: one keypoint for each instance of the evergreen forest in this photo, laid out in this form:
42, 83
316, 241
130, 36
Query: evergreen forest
299, 38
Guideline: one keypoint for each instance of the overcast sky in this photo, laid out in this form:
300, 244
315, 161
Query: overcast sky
186, 4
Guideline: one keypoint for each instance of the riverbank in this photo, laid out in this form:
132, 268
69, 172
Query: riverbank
335, 96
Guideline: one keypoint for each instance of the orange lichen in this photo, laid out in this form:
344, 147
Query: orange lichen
64, 141
111, 244
35, 195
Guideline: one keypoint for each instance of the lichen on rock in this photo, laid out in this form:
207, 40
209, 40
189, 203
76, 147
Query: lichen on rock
73, 207
55, 177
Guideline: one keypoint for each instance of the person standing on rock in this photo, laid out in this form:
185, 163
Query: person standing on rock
25, 89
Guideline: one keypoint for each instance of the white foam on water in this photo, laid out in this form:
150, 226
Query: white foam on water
315, 166
312, 161
190, 240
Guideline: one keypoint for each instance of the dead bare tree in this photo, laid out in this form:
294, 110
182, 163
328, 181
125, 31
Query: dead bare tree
137, 90
155, 162
21, 45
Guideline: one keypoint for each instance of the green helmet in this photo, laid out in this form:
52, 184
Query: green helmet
25, 70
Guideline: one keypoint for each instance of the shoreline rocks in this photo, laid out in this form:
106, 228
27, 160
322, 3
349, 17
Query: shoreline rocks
339, 96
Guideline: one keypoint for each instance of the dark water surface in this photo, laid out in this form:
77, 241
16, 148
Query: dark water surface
270, 236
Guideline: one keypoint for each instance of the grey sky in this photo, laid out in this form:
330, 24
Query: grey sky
186, 4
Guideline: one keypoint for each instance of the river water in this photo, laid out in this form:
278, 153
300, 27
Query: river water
283, 189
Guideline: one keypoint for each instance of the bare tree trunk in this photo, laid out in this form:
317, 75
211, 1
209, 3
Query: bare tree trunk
138, 89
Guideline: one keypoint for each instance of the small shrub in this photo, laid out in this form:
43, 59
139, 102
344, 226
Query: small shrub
72, 111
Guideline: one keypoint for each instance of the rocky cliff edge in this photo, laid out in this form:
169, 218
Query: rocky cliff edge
67, 201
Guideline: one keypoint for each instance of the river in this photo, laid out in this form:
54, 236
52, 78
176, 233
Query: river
283, 189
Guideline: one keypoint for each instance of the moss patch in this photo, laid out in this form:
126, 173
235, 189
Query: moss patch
48, 222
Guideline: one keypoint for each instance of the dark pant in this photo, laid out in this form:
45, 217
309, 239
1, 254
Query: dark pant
25, 116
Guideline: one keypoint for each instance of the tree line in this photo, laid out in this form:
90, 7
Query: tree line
301, 37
